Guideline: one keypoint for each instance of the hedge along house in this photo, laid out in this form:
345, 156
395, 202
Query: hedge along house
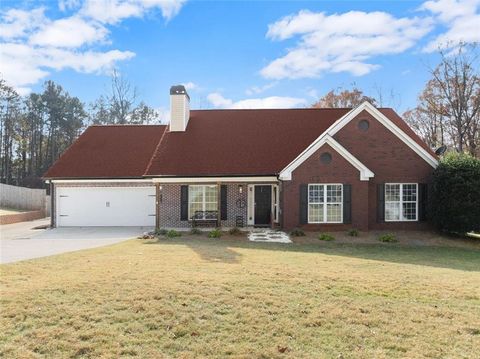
320, 169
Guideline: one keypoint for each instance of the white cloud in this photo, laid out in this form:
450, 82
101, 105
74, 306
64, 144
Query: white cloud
218, 101
18, 23
33, 45
340, 42
254, 90
114, 11
23, 65
462, 19
65, 5
69, 32
190, 86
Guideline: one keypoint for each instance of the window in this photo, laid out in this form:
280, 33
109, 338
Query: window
363, 125
401, 202
325, 158
202, 198
325, 203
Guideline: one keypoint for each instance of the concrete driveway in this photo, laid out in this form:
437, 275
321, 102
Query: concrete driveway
20, 242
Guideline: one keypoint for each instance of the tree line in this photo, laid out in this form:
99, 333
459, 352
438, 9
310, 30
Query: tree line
36, 129
448, 108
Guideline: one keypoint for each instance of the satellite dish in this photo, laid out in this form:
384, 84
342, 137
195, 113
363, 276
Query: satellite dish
441, 150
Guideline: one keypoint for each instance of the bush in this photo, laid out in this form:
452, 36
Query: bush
195, 231
160, 232
326, 237
234, 231
353, 232
387, 238
216, 233
173, 233
455, 199
297, 232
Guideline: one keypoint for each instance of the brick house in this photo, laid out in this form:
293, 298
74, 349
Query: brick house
327, 169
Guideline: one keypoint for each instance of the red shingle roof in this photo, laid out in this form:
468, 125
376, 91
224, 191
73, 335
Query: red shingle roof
240, 142
216, 143
115, 151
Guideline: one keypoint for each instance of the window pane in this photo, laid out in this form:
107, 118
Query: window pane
195, 194
334, 193
210, 194
211, 206
193, 207
392, 211
334, 212
392, 192
315, 213
410, 192
410, 211
315, 194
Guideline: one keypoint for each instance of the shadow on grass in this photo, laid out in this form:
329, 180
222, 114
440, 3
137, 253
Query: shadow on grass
212, 250
223, 250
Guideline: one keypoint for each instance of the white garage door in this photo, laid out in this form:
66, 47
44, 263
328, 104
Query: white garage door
105, 206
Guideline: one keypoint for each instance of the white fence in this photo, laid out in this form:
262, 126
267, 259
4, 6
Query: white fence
22, 198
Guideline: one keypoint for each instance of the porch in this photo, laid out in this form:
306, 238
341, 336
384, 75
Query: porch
183, 203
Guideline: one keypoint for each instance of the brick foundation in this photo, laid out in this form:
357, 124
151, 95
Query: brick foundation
21, 217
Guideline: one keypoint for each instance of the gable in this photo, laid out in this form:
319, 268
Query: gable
365, 173
394, 124
393, 127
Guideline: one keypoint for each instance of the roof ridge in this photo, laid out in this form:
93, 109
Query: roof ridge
154, 152
287, 109
125, 125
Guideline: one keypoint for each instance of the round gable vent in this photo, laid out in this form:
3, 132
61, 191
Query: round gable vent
363, 125
325, 158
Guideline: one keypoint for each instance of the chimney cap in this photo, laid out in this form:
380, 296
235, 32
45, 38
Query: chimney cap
178, 90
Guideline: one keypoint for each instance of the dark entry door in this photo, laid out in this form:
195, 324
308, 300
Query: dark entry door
263, 205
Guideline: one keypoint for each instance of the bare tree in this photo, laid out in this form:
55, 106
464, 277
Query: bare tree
343, 98
121, 99
455, 95
120, 106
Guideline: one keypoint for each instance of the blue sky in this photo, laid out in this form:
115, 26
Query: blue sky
233, 53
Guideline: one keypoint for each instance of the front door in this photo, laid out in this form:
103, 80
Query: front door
263, 205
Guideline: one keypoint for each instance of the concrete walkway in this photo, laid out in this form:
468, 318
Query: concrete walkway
22, 242
268, 235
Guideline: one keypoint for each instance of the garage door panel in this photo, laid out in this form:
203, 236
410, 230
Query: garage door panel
105, 206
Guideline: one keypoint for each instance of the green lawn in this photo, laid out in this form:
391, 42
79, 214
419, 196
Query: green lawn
199, 297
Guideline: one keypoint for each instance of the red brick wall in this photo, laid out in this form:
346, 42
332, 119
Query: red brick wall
21, 217
313, 171
381, 151
388, 157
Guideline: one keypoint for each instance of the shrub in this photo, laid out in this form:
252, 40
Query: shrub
297, 232
387, 238
455, 198
195, 231
235, 231
215, 233
173, 233
353, 232
160, 232
326, 237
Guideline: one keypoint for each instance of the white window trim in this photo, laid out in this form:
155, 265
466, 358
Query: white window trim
402, 219
204, 186
325, 221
